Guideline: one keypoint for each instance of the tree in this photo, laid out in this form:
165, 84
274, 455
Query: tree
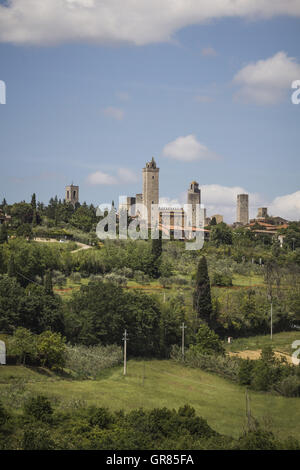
221, 234
156, 251
202, 297
25, 231
48, 283
51, 350
39, 311
213, 221
10, 297
23, 344
207, 341
3, 233
33, 201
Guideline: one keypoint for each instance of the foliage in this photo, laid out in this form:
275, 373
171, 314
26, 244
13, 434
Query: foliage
202, 296
207, 341
39, 408
51, 350
89, 361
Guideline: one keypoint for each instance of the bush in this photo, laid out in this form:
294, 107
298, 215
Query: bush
76, 277
37, 439
225, 366
219, 279
289, 386
245, 372
3, 415
38, 408
207, 341
51, 349
101, 418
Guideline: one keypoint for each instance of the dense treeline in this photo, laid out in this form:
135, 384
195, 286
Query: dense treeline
42, 427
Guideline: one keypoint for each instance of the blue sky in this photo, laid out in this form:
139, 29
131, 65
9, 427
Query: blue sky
94, 111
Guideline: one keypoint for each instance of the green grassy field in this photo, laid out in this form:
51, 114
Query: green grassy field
157, 383
281, 342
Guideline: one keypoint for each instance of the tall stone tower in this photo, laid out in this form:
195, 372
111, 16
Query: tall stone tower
242, 212
150, 187
194, 198
72, 194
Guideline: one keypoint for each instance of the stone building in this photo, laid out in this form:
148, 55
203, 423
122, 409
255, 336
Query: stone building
242, 213
150, 187
129, 205
194, 198
72, 194
262, 213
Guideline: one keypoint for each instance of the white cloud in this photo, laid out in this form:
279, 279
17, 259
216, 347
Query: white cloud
187, 149
267, 81
127, 176
123, 176
98, 177
115, 113
287, 206
208, 51
138, 22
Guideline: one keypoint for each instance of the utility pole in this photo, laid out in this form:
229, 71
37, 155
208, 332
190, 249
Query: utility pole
271, 301
271, 319
125, 351
182, 341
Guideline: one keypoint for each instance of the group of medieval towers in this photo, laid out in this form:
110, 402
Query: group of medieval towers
150, 196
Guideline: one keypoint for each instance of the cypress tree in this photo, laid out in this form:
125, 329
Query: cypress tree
11, 268
202, 296
156, 251
3, 233
48, 283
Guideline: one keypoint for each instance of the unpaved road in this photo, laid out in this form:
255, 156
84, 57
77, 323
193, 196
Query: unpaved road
256, 355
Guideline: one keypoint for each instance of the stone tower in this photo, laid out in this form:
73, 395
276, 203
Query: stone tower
150, 187
262, 213
242, 212
72, 194
194, 198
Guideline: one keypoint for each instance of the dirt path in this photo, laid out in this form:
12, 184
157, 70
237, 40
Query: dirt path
256, 355
81, 246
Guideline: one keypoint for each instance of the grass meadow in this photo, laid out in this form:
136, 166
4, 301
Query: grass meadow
156, 383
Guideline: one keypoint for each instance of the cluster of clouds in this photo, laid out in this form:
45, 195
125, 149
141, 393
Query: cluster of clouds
142, 22
267, 81
122, 21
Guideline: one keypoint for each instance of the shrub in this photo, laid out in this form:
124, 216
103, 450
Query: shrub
37, 439
219, 279
51, 349
289, 386
245, 372
207, 341
38, 408
3, 415
101, 418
